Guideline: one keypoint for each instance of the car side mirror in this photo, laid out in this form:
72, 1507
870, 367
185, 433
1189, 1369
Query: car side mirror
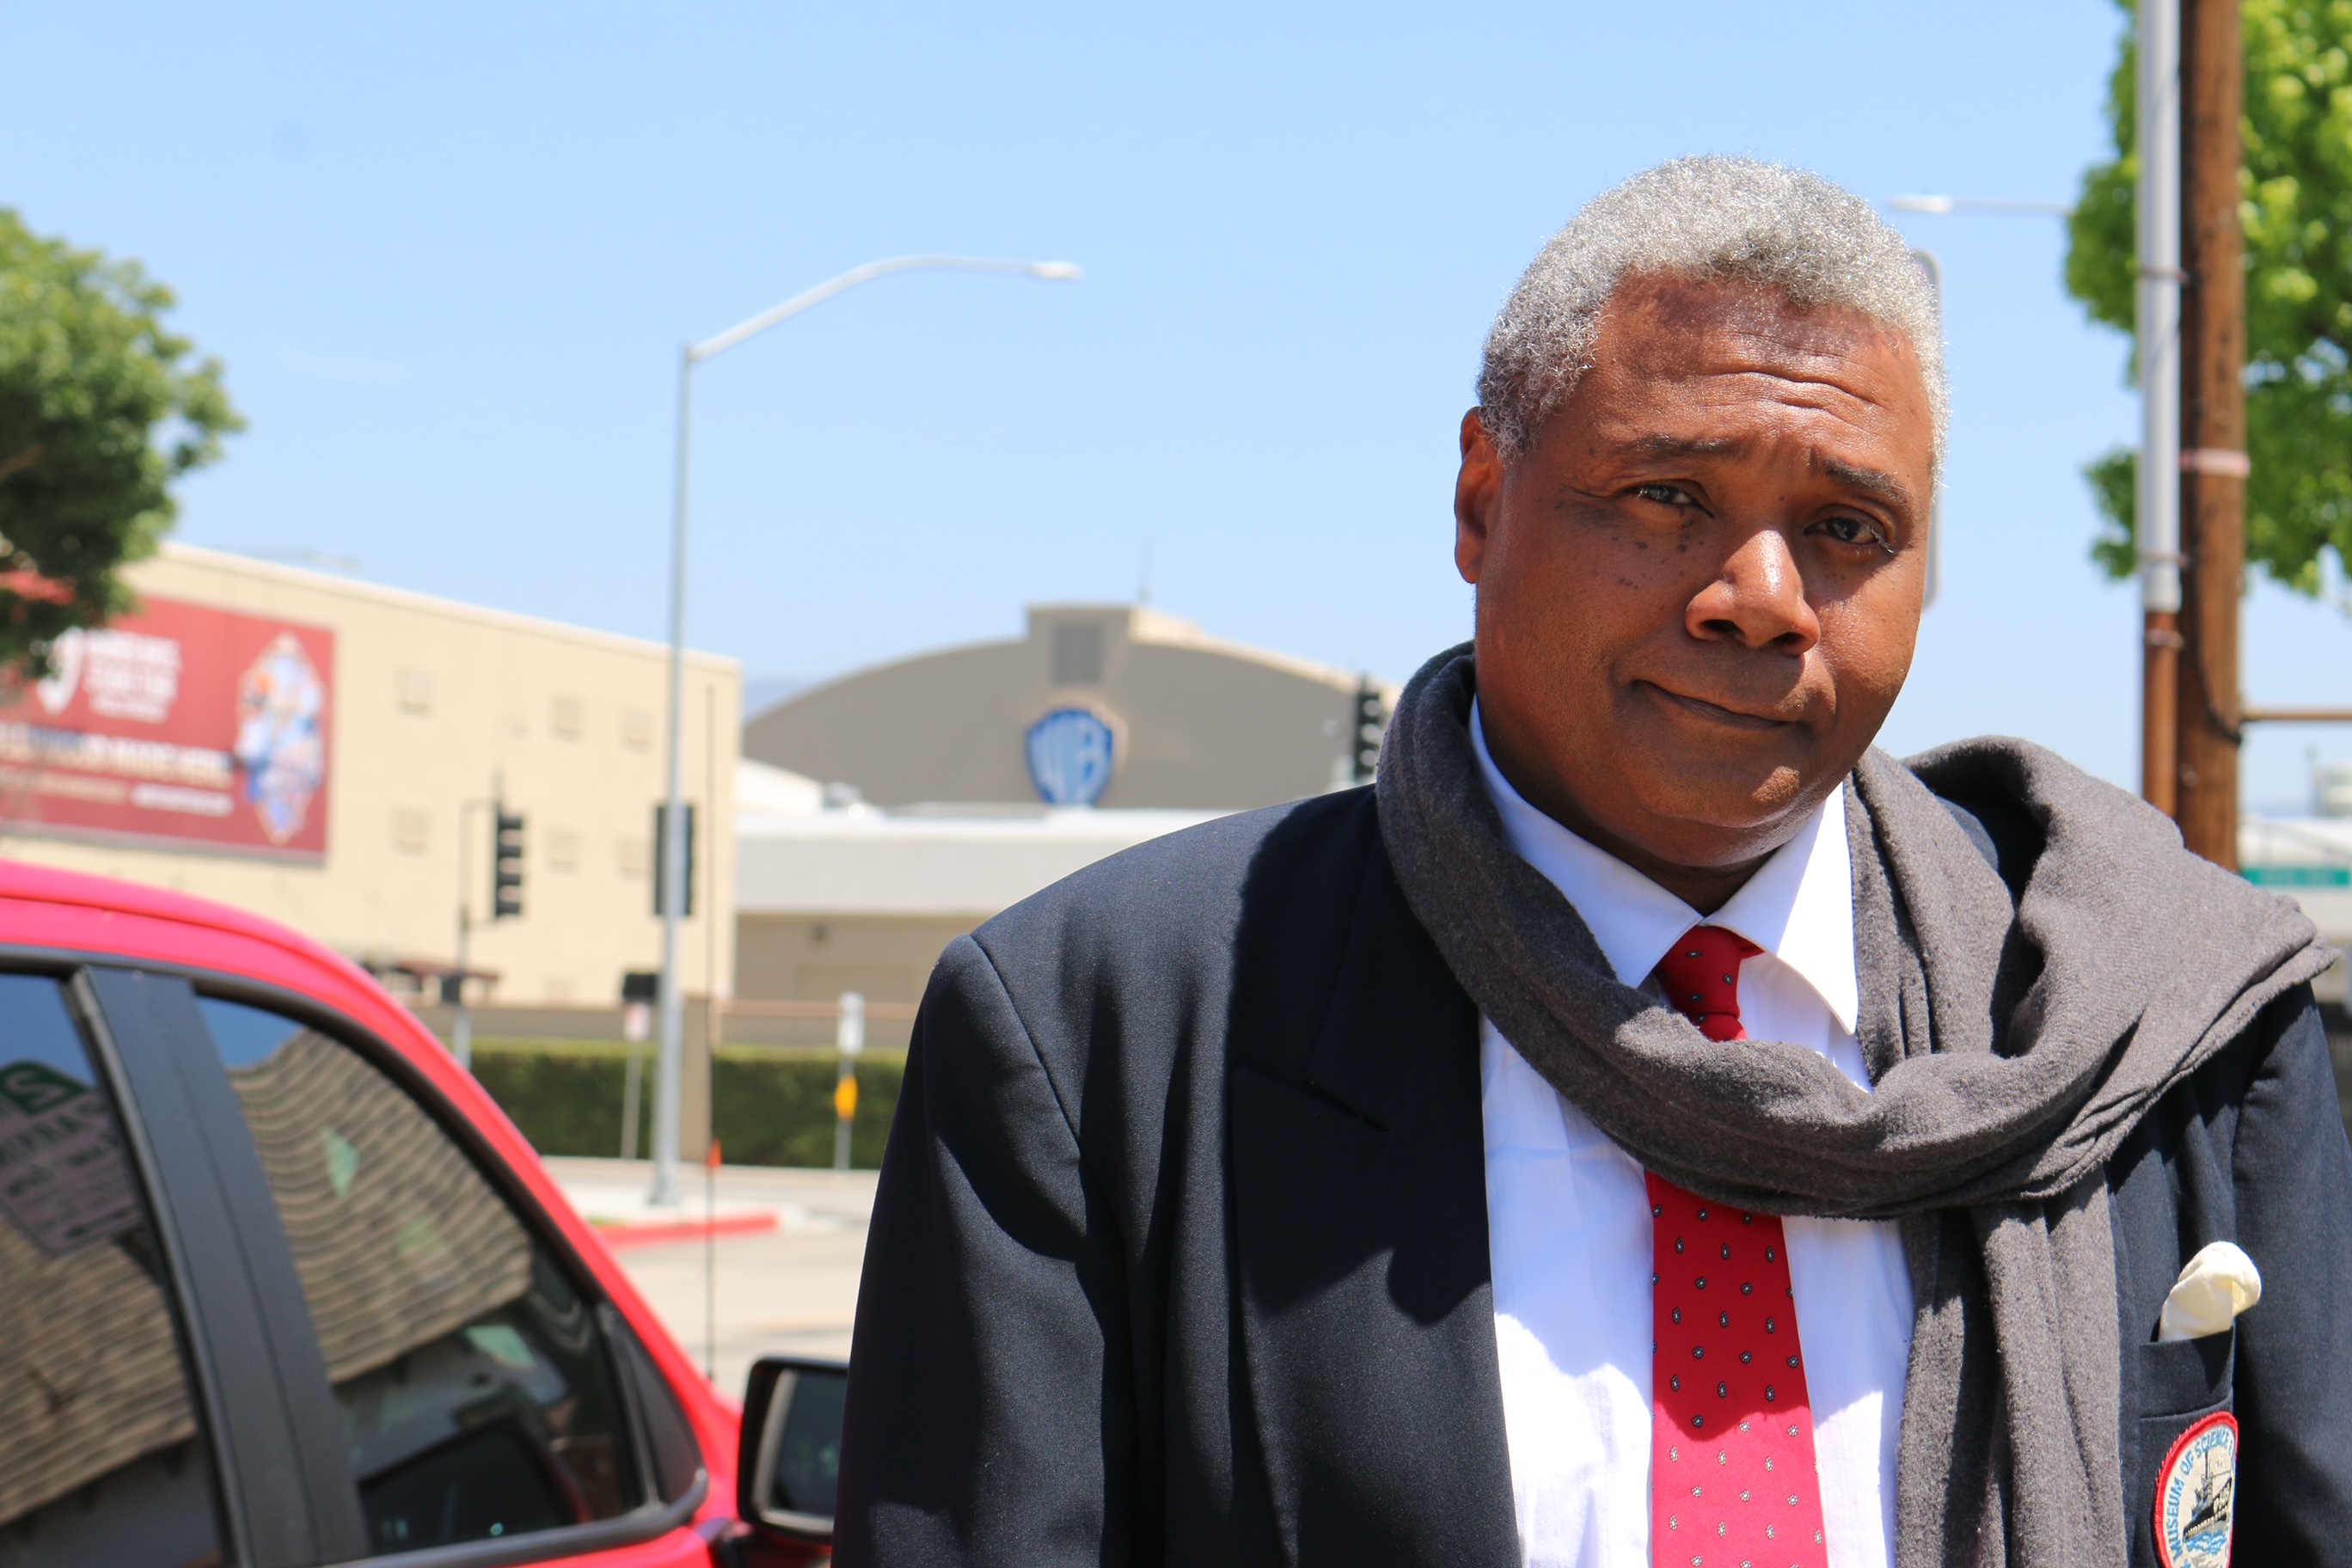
790, 1456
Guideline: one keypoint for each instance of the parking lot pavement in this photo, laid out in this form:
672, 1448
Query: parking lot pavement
792, 1289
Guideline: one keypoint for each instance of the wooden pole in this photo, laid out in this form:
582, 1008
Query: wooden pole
2159, 716
2213, 427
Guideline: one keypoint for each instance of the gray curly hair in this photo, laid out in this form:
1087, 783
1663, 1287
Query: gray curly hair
1707, 217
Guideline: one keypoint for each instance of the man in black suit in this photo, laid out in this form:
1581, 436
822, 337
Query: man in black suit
1646, 1083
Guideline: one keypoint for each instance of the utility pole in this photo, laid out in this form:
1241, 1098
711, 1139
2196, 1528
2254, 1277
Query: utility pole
506, 901
461, 1029
2214, 465
2157, 312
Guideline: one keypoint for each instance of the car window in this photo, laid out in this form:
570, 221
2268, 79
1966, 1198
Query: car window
475, 1388
101, 1459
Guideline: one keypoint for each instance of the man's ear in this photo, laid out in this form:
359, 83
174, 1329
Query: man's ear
1477, 492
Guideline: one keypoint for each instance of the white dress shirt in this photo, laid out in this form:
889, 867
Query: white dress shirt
1568, 1218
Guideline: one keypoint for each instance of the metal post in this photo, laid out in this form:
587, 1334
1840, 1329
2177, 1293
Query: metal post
710, 1261
849, 1037
461, 1030
2156, 309
461, 1033
632, 1090
669, 1061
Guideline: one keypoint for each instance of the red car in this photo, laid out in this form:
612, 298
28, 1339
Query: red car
281, 1286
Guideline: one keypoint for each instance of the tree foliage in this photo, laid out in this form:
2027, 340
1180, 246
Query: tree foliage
101, 410
2295, 203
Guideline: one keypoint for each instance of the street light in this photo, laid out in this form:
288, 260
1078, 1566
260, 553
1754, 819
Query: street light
1940, 206
670, 1069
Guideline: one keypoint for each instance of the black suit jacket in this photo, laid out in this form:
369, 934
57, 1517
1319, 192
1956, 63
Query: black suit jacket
1180, 1249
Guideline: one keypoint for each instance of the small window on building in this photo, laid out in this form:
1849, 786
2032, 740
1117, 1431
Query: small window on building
636, 855
412, 829
564, 850
638, 729
415, 692
566, 717
1079, 654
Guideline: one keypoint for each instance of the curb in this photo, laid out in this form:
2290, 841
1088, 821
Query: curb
619, 1238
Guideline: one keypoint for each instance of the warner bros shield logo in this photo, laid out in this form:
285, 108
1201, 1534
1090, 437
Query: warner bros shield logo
1072, 754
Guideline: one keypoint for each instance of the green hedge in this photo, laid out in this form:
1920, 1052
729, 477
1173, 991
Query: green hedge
768, 1108
767, 1112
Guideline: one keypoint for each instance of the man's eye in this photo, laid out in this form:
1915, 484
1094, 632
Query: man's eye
1853, 531
1665, 494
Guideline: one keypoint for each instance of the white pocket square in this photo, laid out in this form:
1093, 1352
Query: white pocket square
2214, 1287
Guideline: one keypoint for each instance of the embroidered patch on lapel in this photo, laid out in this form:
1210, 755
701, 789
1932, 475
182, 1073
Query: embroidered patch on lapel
2196, 1495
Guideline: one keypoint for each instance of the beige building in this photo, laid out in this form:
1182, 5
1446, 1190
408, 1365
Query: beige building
849, 897
322, 752
882, 814
1119, 706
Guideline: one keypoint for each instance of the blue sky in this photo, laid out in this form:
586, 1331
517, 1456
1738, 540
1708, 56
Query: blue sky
448, 253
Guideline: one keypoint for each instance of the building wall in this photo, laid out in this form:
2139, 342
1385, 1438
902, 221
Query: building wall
859, 898
431, 702
1201, 725
884, 958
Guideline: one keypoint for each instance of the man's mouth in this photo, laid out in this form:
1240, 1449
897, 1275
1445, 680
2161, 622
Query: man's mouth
1716, 712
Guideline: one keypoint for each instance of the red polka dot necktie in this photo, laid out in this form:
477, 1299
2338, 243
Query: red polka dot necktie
1732, 1481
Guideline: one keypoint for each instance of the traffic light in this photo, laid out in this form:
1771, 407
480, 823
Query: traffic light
505, 864
1372, 726
661, 853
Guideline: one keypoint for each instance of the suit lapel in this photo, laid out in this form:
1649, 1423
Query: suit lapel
1367, 1301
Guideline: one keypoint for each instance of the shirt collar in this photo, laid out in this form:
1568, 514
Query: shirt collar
1797, 906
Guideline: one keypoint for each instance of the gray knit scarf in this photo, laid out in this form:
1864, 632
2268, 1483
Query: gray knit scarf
2013, 1046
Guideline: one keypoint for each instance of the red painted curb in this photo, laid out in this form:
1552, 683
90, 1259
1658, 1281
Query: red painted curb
619, 1238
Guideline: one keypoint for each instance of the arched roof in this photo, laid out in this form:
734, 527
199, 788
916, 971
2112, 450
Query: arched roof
1198, 723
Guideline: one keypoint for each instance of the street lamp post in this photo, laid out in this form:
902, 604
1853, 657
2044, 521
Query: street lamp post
2155, 318
670, 1062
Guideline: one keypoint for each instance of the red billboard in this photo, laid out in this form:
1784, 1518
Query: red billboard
180, 725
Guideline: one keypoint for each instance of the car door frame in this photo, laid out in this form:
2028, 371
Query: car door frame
260, 1378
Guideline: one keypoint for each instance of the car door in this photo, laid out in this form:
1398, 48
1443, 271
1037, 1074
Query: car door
403, 1361
109, 1444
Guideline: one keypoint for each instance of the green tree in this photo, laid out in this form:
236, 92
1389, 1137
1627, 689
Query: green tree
2295, 201
101, 408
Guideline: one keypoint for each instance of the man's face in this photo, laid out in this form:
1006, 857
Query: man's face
1699, 588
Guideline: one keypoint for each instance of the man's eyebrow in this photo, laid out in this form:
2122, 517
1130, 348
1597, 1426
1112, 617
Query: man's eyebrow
1869, 481
1662, 446
1873, 482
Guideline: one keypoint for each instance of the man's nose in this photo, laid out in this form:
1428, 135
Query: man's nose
1757, 599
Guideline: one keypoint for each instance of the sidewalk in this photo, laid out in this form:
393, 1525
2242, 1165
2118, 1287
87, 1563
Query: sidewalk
784, 1255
